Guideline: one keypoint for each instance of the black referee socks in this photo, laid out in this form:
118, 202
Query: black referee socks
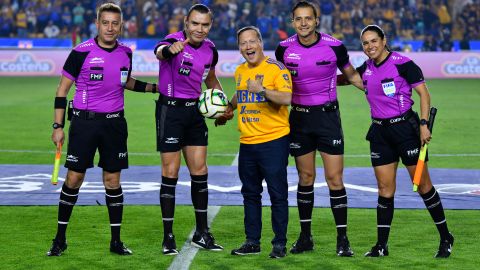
385, 208
434, 205
199, 193
114, 201
338, 203
305, 200
167, 203
68, 198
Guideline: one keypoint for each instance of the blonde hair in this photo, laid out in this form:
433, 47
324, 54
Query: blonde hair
109, 7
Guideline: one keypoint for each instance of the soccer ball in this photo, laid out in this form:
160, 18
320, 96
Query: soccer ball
212, 103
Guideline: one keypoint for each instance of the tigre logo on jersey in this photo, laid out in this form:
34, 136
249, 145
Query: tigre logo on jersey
243, 96
184, 71
285, 76
96, 77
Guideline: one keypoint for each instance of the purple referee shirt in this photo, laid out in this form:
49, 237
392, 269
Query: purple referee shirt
100, 75
182, 75
313, 68
388, 85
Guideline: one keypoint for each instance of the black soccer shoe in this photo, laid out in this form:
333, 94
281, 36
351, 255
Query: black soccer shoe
278, 251
57, 248
169, 246
445, 247
205, 240
304, 243
119, 248
343, 247
248, 248
379, 250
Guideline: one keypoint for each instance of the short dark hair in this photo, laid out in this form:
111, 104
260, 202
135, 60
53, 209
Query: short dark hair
250, 27
201, 8
305, 4
109, 7
374, 28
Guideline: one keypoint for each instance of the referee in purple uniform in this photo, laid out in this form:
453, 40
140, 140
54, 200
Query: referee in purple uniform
397, 132
313, 59
187, 58
100, 68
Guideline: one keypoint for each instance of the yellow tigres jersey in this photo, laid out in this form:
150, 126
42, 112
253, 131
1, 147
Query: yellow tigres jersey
259, 120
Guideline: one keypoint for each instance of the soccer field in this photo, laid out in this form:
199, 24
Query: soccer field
26, 111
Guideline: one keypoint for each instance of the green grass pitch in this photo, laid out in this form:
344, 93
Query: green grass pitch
26, 112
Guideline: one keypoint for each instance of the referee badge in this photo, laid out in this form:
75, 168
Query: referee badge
123, 76
388, 87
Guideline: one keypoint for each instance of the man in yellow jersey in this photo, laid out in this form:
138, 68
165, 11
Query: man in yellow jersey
263, 93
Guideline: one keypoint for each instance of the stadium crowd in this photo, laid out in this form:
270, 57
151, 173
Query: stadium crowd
437, 23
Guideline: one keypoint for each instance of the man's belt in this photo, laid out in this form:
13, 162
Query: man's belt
327, 107
177, 102
89, 115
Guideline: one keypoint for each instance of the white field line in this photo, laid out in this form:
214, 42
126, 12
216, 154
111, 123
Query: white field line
185, 257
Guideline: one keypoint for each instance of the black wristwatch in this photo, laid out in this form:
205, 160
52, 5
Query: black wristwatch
57, 125
423, 122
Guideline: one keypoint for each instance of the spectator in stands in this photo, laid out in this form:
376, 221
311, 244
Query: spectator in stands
465, 42
78, 13
131, 28
429, 44
21, 22
51, 30
326, 11
92, 29
66, 17
31, 20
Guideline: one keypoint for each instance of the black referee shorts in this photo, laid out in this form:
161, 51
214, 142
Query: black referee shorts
108, 135
314, 128
390, 142
179, 124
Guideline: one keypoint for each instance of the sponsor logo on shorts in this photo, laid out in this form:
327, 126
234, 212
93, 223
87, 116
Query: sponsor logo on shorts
295, 146
122, 155
299, 109
413, 152
337, 142
374, 155
113, 115
171, 140
76, 113
395, 120
72, 158
188, 104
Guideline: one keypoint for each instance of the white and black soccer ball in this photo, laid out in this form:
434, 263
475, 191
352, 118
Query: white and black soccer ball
212, 103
